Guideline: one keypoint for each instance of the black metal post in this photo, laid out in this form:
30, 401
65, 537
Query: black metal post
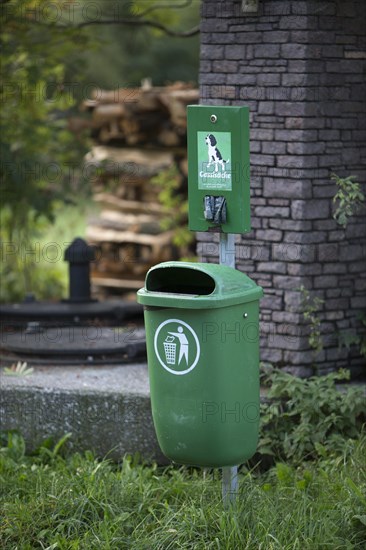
79, 255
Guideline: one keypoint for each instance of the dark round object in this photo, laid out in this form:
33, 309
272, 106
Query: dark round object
48, 313
74, 345
79, 252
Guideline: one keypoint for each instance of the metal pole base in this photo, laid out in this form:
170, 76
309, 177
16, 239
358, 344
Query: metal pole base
229, 474
229, 485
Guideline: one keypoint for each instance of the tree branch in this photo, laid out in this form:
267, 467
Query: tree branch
137, 21
156, 7
141, 22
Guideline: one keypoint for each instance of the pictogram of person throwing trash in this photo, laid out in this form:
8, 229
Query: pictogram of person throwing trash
183, 344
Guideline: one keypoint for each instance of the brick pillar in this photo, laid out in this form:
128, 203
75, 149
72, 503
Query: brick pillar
299, 66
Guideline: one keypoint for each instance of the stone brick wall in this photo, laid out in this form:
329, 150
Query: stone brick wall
300, 67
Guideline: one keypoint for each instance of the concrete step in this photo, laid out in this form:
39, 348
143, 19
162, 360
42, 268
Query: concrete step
106, 408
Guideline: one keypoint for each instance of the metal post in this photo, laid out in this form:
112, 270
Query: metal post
79, 255
229, 485
227, 249
229, 474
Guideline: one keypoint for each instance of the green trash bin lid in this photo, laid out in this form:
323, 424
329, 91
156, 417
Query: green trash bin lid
196, 286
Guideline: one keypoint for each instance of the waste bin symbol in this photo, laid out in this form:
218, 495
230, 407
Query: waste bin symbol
170, 348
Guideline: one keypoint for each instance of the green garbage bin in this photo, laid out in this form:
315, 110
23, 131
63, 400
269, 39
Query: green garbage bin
202, 335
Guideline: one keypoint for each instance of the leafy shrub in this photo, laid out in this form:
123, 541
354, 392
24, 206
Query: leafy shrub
40, 156
311, 418
310, 307
355, 338
348, 198
23, 267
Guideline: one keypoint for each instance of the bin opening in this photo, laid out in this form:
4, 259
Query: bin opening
180, 280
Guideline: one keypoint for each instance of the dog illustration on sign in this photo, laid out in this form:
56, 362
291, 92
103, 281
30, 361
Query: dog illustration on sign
214, 155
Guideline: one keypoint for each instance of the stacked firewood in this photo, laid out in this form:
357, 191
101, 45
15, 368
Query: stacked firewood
139, 134
150, 116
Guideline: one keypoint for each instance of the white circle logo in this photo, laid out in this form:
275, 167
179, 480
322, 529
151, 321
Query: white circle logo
176, 346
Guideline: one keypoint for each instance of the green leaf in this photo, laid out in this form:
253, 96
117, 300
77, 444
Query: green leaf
19, 369
61, 443
361, 519
355, 490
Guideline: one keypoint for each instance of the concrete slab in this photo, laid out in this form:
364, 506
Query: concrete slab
106, 408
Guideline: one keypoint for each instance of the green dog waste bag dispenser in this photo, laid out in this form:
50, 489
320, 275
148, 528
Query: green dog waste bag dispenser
202, 333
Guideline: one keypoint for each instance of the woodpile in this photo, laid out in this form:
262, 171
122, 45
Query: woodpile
139, 134
151, 116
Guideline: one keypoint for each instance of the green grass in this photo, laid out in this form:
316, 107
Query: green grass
79, 502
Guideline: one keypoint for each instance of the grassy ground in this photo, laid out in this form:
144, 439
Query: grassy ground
81, 503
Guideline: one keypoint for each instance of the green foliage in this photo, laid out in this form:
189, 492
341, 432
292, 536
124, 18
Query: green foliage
77, 502
12, 446
173, 196
35, 264
353, 338
18, 369
310, 307
23, 266
309, 418
348, 198
43, 53
37, 149
127, 54
39, 154
49, 451
142, 8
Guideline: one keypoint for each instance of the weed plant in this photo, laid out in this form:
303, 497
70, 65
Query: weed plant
306, 419
78, 502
